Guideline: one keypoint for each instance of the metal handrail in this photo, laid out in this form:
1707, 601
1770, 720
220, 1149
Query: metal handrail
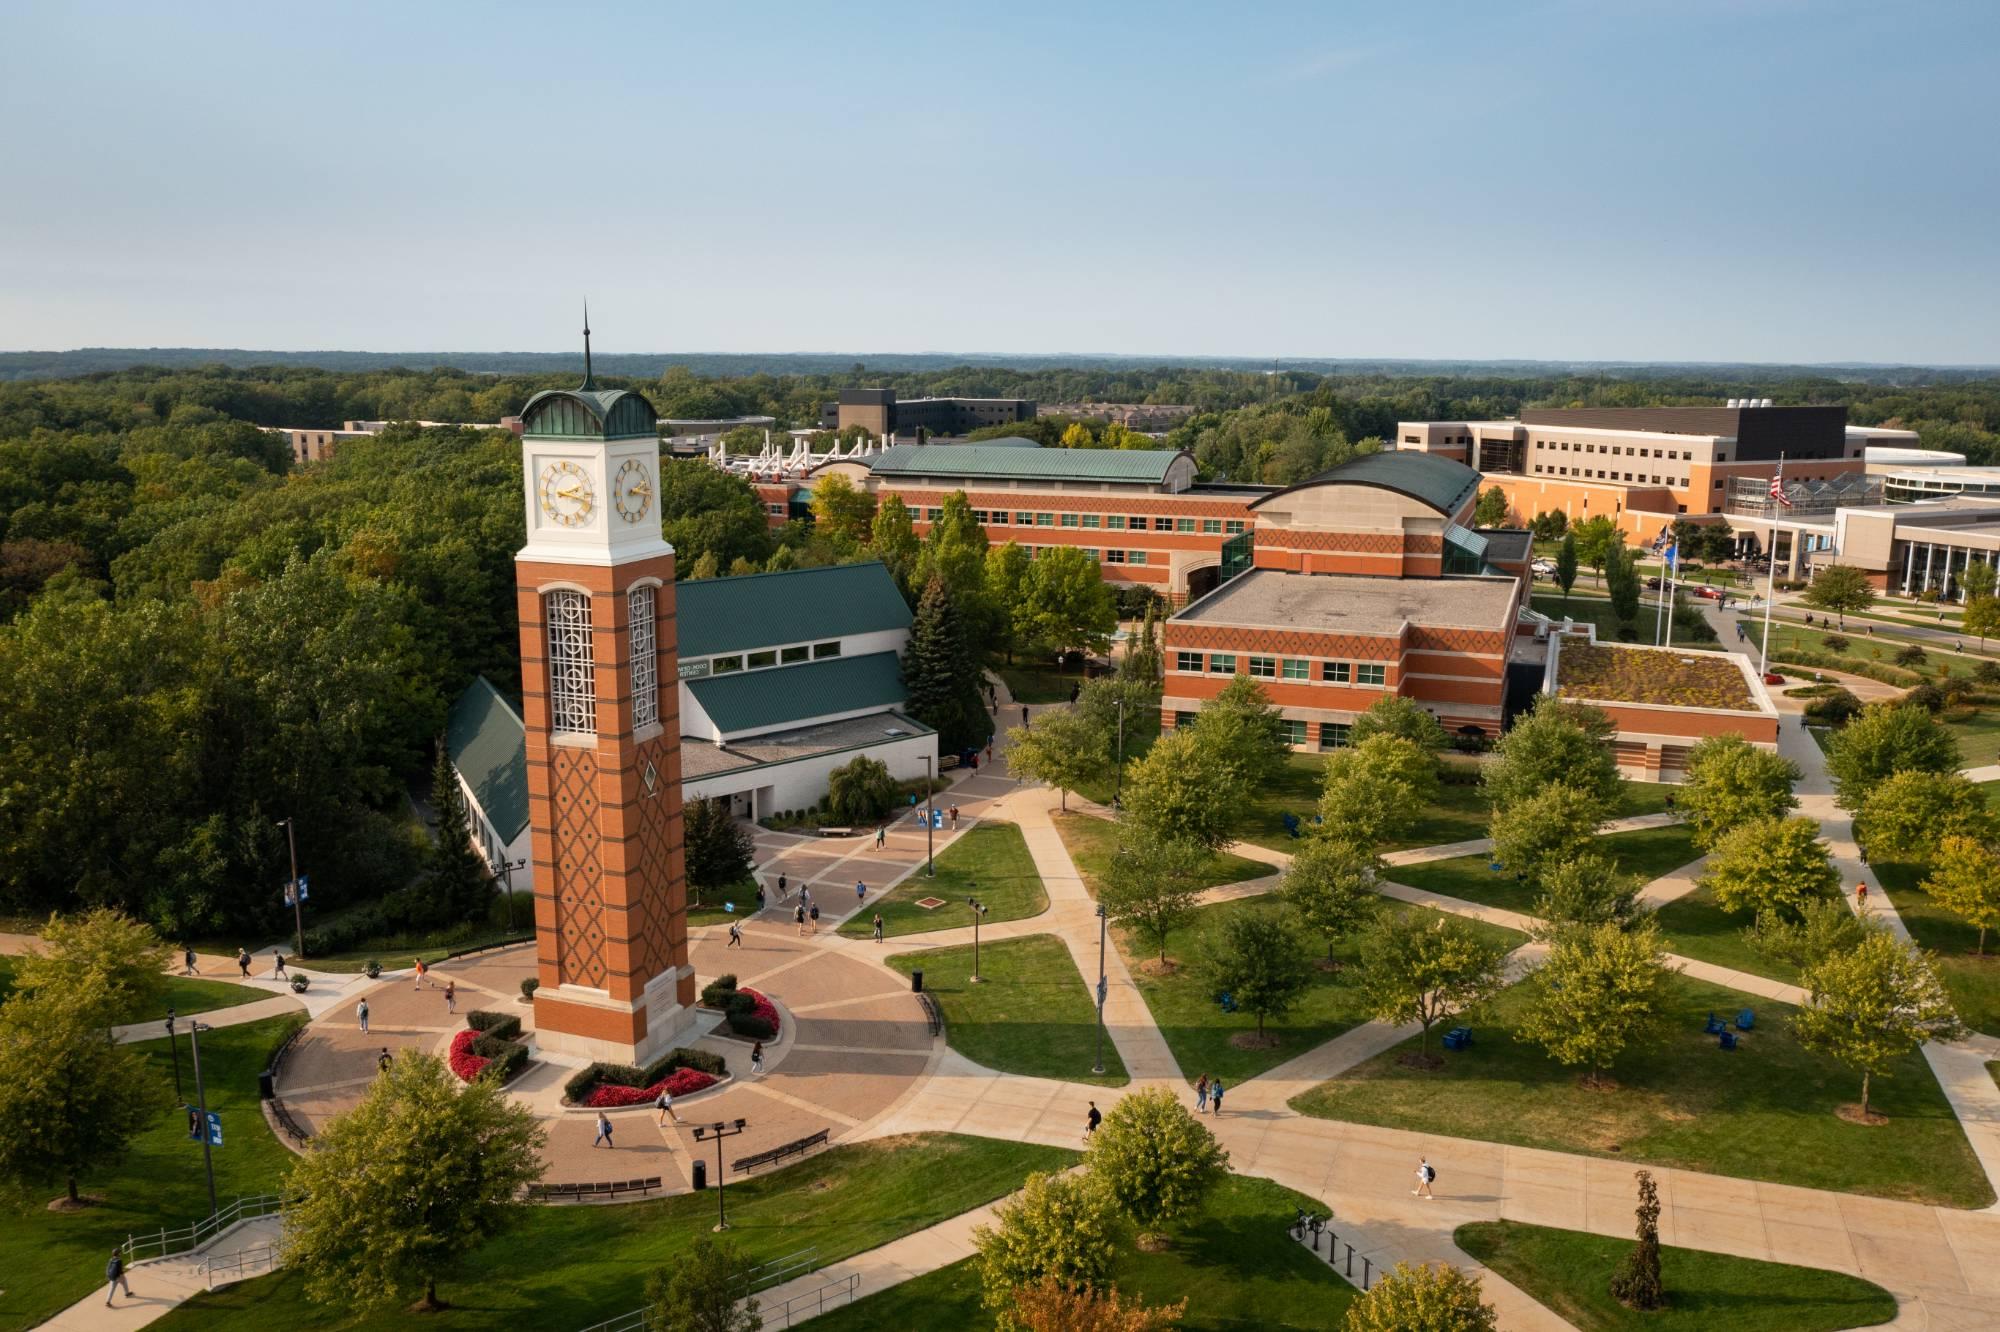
264, 1255
754, 1279
814, 1301
165, 1243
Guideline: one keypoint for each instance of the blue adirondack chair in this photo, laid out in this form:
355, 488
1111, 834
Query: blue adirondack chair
1715, 1025
1727, 1040
1291, 825
1228, 1004
1458, 1038
1746, 1020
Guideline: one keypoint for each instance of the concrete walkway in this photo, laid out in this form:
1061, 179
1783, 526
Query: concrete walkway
160, 1285
276, 1006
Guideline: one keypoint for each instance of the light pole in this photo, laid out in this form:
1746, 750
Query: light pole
1098, 1067
978, 910
298, 911
175, 1044
195, 1029
719, 1131
930, 860
507, 868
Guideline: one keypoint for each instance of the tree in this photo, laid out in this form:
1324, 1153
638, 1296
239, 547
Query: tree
842, 511
1067, 605
1976, 580
1731, 782
1770, 865
71, 1102
1555, 744
1586, 889
1415, 969
1006, 579
457, 884
1982, 613
1595, 538
1551, 525
1872, 1004
720, 851
860, 791
1374, 791
706, 565
1152, 884
1183, 790
1601, 991
1049, 1306
1491, 510
1240, 724
1887, 738
408, 1182
1101, 701
1143, 658
1399, 716
1839, 588
1420, 1297
1821, 928
1621, 581
1637, 1282
942, 675
955, 550
1058, 1227
892, 538
1330, 887
1067, 750
1566, 558
705, 511
105, 943
1533, 836
1907, 814
1254, 957
1965, 880
702, 1290
1155, 1160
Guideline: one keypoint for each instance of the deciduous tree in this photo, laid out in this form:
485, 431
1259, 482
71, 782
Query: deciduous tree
125, 954
860, 791
1907, 814
1152, 884
1422, 970
1887, 738
1049, 1306
1965, 880
1982, 613
1566, 561
1007, 592
1058, 1227
1066, 750
702, 1290
1872, 1004
1256, 959
1240, 724
1586, 889
1330, 887
1731, 782
1183, 790
1819, 929
1595, 539
1399, 716
1601, 991
1375, 791
1534, 835
1155, 1160
1839, 588
1491, 511
1621, 582
1068, 606
1414, 1297
1976, 580
1770, 865
843, 511
1557, 743
892, 539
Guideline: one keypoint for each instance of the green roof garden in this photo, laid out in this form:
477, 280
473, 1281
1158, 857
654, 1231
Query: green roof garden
1008, 459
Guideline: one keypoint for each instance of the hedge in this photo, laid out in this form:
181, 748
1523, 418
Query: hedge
753, 1025
716, 993
1826, 661
626, 1075
504, 1025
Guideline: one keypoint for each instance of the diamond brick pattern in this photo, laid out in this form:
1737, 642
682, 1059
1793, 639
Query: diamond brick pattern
579, 870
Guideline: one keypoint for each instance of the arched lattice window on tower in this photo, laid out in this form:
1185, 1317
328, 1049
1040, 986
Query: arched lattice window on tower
645, 658
572, 679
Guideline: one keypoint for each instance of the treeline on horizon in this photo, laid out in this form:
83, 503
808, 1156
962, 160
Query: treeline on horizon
198, 638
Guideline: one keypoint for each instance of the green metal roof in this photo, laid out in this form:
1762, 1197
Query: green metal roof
589, 413
488, 745
1426, 477
1006, 459
785, 695
797, 606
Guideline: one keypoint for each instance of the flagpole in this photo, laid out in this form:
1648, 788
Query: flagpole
1673, 589
1771, 582
1664, 575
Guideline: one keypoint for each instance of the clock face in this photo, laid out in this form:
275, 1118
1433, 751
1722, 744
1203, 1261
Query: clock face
566, 495
632, 491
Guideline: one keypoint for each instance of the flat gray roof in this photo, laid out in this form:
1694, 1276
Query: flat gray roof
1349, 603
702, 758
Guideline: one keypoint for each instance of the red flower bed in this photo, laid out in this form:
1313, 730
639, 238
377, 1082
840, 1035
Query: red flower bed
680, 1082
463, 1062
765, 1009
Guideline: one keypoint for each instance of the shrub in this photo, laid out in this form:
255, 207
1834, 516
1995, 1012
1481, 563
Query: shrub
1836, 708
1834, 643
488, 1046
682, 1057
299, 984
485, 1019
374, 969
511, 1059
528, 988
860, 791
1926, 696
740, 1002
1461, 774
1911, 656
716, 993
753, 1026
683, 1069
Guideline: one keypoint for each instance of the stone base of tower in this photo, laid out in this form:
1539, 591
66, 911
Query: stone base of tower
590, 1024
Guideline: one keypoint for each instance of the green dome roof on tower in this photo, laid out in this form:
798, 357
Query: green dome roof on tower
587, 411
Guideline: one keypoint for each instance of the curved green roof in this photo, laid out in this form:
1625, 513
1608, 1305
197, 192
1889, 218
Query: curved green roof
589, 413
1425, 477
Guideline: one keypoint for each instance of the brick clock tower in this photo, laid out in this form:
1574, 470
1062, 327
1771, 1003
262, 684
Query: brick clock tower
600, 697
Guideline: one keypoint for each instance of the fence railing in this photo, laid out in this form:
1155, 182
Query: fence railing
1307, 1229
750, 1281
809, 1303
238, 1266
165, 1243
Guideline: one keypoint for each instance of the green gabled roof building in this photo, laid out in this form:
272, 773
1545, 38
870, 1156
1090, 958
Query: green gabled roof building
1003, 460
797, 606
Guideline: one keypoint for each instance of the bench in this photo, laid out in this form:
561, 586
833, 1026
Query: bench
286, 1122
836, 832
799, 1148
552, 1192
933, 1015
1458, 1038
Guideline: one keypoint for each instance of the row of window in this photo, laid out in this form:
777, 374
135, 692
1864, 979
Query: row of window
1110, 522
1332, 735
1624, 450
1283, 668
1612, 476
1101, 556
761, 660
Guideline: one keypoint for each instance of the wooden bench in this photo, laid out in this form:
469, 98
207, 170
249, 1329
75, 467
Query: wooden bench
776, 1154
836, 832
552, 1192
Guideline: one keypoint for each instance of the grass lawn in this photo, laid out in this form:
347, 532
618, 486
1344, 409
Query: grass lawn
1646, 853
1691, 628
1229, 1262
1879, 650
1032, 1014
565, 1267
184, 994
52, 1259
1978, 735
1200, 1033
1570, 1271
1765, 1111
1694, 926
1036, 684
1974, 981
714, 904
1092, 842
1141, 733
1295, 790
990, 862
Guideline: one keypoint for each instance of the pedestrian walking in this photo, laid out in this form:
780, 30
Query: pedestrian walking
813, 916
451, 996
1026, 724
384, 1060
799, 914
603, 1132
114, 1272
361, 1011
1215, 1097
422, 971
954, 814
277, 965
1201, 1095
878, 927
881, 835
243, 962
1861, 896
735, 934
1424, 1177
989, 753
1091, 1121
187, 961
665, 1103
757, 1057
860, 892
783, 893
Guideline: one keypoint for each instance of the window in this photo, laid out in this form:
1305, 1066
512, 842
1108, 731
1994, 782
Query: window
1024, 520
792, 654
1045, 520
1163, 524
1297, 669
1264, 668
1234, 527
822, 650
933, 515
1135, 557
641, 602
1211, 526
1334, 672
1183, 524
1069, 520
1114, 557
1183, 719
1367, 674
572, 681
725, 665
1187, 661
775, 510
1293, 731
1137, 522
759, 660
1093, 520
1222, 663
1115, 521
1333, 735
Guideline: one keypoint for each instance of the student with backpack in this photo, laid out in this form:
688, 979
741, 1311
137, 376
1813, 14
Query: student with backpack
1426, 1175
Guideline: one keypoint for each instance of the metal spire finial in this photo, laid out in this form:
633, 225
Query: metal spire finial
588, 381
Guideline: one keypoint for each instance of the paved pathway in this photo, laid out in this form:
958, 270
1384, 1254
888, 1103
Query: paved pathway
158, 1286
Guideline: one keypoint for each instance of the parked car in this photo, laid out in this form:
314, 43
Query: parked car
1544, 568
1653, 584
1712, 593
1773, 678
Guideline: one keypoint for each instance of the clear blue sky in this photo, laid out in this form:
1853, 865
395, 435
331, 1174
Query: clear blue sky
1596, 179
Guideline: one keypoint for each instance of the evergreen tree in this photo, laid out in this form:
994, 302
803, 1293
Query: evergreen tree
1637, 1285
719, 849
941, 673
1566, 566
457, 882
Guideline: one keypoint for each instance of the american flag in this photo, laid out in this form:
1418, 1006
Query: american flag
1778, 487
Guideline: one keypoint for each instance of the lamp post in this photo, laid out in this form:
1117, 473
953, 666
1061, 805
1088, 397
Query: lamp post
978, 910
195, 1029
175, 1044
298, 911
507, 868
1102, 989
930, 860
719, 1131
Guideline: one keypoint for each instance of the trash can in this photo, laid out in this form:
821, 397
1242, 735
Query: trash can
700, 1175
917, 981
266, 1085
